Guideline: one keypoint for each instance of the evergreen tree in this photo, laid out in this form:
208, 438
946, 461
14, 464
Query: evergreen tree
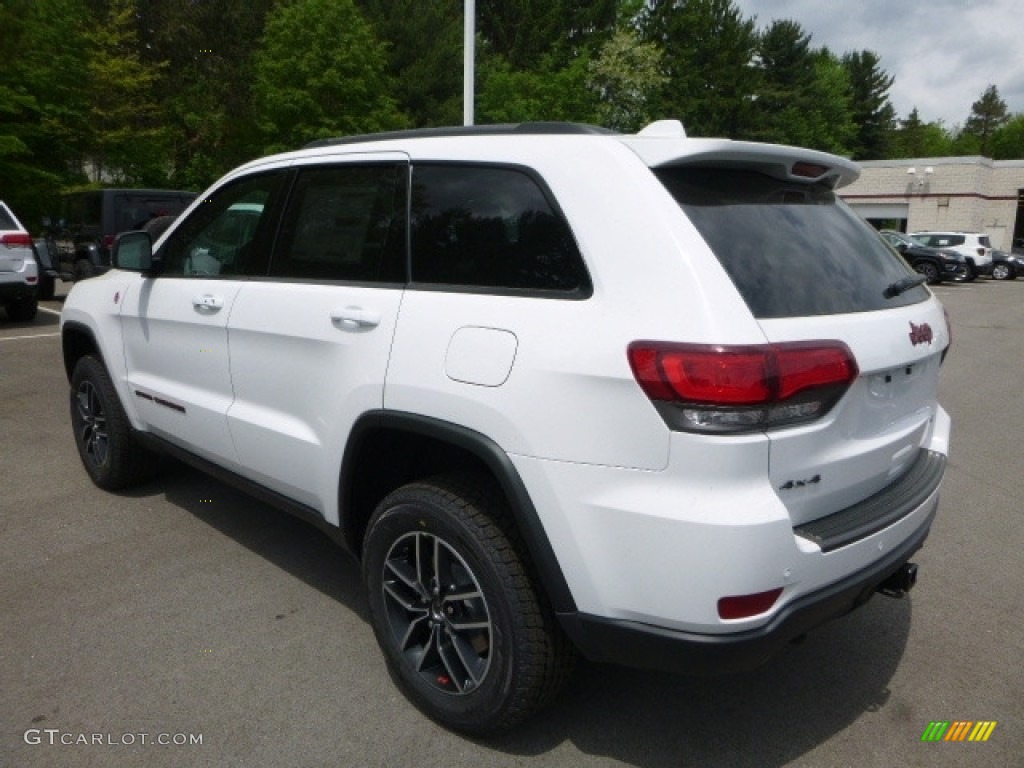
803, 98
988, 114
425, 55
915, 138
873, 115
707, 59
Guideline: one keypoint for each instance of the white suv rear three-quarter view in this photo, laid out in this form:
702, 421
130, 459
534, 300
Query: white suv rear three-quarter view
662, 401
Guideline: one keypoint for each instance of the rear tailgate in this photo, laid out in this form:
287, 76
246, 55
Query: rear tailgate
809, 269
874, 434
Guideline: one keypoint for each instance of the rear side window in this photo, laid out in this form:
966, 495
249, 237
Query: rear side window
344, 223
792, 250
491, 228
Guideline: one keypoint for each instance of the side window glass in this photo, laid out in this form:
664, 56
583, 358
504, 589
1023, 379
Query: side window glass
345, 223
228, 234
490, 228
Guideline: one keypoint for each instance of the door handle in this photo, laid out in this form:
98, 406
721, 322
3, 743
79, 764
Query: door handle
208, 302
355, 317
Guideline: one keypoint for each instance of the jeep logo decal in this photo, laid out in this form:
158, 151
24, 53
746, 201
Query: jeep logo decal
920, 334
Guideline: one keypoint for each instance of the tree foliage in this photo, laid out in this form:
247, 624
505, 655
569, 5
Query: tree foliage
177, 92
320, 72
988, 115
707, 60
873, 115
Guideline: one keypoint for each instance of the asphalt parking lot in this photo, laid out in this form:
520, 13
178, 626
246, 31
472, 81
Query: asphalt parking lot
133, 626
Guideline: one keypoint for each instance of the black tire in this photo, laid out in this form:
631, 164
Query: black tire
106, 441
1003, 271
84, 269
481, 663
929, 270
23, 310
47, 288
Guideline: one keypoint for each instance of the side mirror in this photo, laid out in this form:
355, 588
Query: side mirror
133, 251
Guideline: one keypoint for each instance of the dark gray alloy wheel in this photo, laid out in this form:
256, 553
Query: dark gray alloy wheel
437, 613
106, 442
466, 635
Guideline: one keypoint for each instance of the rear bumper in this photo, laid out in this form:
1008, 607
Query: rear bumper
643, 646
16, 290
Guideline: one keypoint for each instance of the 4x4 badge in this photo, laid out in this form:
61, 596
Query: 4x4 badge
920, 334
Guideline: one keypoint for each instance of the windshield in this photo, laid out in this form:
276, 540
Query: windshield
792, 250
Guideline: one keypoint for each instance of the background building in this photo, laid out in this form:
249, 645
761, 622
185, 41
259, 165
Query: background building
972, 194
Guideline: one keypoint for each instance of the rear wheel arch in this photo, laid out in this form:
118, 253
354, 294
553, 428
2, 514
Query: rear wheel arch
388, 449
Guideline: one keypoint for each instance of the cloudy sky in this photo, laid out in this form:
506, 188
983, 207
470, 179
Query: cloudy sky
942, 53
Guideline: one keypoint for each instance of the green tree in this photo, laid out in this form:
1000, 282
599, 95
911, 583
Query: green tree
625, 75
873, 115
523, 32
207, 90
1008, 141
425, 55
914, 138
321, 72
546, 93
42, 109
708, 51
988, 114
804, 93
129, 142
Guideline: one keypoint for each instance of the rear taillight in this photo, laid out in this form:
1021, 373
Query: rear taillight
16, 240
723, 389
108, 242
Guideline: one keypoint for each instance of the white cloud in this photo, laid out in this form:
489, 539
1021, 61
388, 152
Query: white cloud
943, 54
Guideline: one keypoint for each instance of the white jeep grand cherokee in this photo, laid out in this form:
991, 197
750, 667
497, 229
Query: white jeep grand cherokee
662, 401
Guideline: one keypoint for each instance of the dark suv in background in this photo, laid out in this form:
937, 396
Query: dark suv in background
88, 221
937, 264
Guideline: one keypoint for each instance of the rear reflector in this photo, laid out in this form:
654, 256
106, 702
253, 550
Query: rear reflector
703, 388
745, 606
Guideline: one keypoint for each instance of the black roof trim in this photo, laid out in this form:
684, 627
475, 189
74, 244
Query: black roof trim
502, 129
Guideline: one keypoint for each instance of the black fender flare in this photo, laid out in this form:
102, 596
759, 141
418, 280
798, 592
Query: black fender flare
498, 463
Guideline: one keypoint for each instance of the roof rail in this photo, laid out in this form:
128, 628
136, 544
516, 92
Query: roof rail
502, 129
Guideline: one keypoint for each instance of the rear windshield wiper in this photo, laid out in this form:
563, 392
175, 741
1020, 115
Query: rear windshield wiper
903, 285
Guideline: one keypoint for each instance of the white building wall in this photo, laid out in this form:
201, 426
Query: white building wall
959, 193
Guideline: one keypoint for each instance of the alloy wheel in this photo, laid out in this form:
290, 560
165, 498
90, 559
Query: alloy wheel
437, 613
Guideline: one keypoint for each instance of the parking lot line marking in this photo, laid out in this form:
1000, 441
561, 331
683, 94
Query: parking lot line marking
33, 336
50, 311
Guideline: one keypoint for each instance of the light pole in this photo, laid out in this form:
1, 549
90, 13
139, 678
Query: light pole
469, 52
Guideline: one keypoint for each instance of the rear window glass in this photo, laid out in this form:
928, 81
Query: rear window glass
792, 250
491, 228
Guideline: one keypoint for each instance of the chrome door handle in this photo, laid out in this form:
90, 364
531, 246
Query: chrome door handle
355, 317
208, 302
